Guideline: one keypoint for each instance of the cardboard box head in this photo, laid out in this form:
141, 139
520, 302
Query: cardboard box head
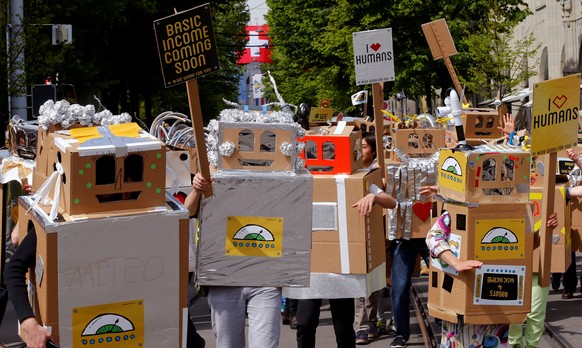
332, 150
257, 146
417, 142
481, 124
499, 291
105, 168
487, 174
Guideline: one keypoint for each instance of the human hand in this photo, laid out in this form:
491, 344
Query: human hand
28, 189
200, 184
365, 204
466, 265
552, 220
33, 334
14, 235
508, 124
428, 191
573, 155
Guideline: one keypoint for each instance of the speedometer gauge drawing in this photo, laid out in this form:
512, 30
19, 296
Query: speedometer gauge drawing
107, 323
254, 232
451, 165
499, 235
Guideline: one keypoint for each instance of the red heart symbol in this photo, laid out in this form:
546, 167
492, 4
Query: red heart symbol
559, 101
375, 46
422, 210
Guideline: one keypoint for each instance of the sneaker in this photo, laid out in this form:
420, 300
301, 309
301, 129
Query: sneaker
381, 326
362, 337
567, 295
373, 331
398, 342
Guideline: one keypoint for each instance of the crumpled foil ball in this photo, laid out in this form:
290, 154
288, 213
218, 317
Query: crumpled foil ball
226, 149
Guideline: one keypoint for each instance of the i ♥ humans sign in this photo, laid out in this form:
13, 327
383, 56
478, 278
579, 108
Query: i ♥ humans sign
555, 115
373, 56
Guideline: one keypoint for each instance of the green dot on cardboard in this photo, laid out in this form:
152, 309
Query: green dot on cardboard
89, 185
153, 166
158, 155
149, 184
81, 172
158, 190
76, 201
88, 165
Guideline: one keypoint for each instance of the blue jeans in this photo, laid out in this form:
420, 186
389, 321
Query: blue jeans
403, 254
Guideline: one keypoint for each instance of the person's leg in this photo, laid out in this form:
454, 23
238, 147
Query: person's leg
293, 313
515, 335
194, 340
307, 321
342, 315
263, 308
570, 279
403, 261
534, 326
228, 312
372, 312
360, 318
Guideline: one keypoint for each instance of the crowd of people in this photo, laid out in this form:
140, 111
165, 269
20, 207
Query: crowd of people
355, 321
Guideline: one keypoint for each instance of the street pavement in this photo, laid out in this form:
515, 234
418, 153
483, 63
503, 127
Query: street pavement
563, 317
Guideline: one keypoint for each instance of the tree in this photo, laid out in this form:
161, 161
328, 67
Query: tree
114, 55
313, 54
500, 58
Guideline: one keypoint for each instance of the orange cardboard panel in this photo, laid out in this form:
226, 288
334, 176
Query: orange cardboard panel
332, 150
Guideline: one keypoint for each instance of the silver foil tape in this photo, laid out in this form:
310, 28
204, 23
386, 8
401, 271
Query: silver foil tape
287, 149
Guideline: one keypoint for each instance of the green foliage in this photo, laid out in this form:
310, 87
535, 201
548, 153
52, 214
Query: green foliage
114, 55
500, 59
313, 54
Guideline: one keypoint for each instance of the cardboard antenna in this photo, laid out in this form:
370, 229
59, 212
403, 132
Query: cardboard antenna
441, 45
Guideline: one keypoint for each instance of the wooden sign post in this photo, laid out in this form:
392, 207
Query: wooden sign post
378, 100
555, 114
442, 46
187, 51
374, 61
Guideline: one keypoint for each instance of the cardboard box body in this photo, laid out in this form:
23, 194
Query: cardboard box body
561, 236
487, 174
102, 269
418, 142
481, 124
411, 217
333, 285
258, 146
332, 150
256, 230
105, 174
498, 292
343, 241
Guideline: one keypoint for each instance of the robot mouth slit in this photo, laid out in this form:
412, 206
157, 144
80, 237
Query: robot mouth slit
120, 196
